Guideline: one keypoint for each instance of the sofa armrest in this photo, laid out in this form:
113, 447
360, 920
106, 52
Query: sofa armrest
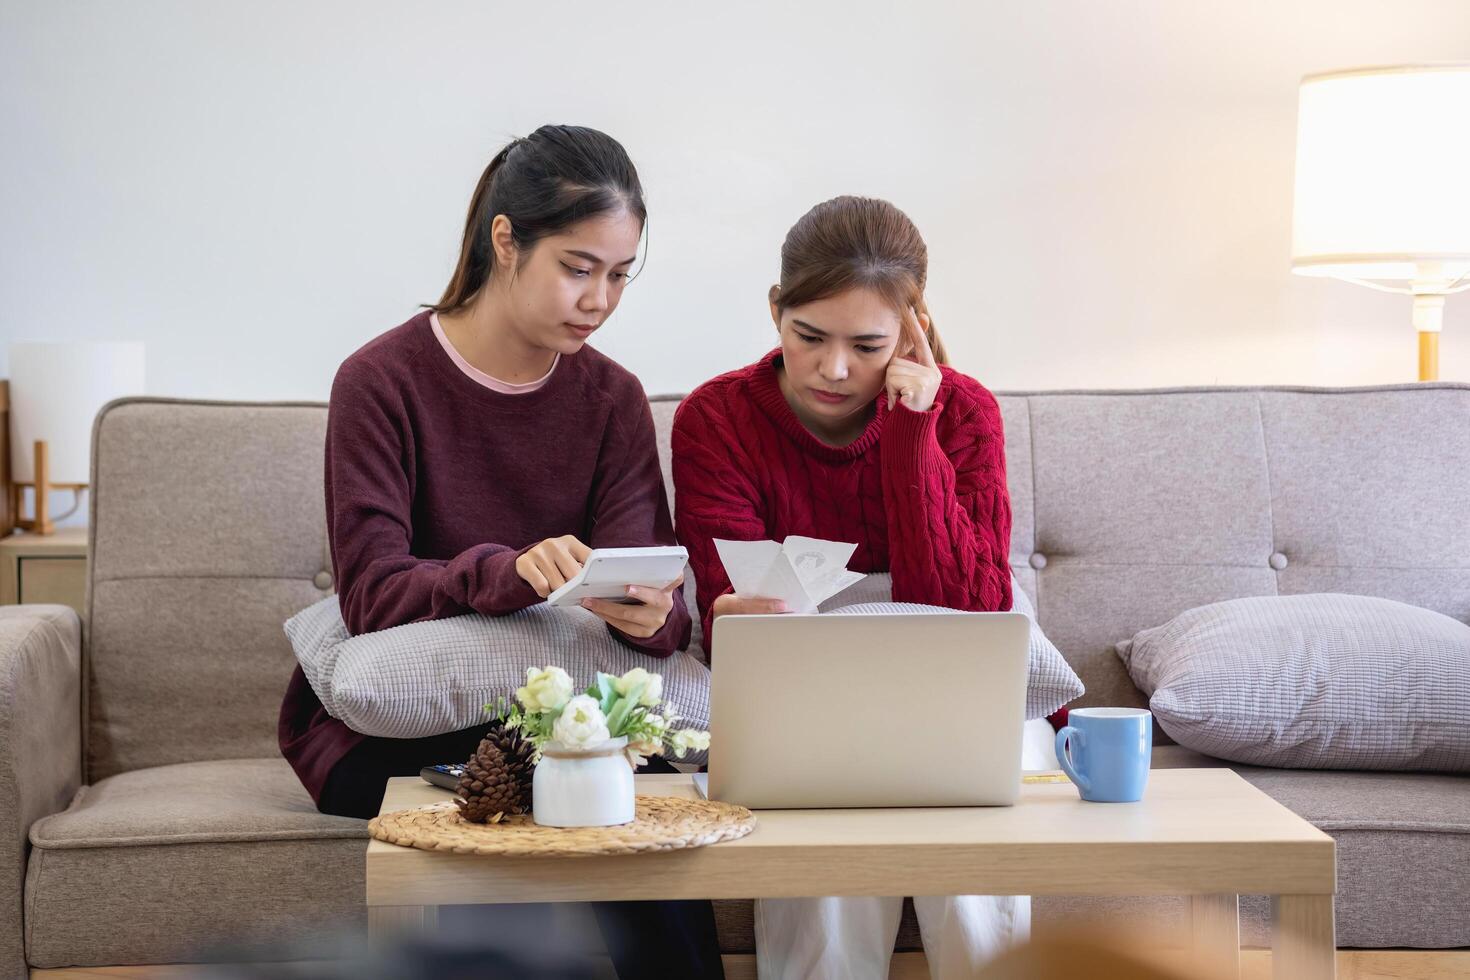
40, 746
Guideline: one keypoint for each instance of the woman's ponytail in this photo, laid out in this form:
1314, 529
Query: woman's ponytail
476, 252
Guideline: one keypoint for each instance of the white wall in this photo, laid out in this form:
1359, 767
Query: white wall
255, 189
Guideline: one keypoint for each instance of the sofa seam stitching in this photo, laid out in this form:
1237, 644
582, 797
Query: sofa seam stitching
1031, 445
28, 917
1270, 488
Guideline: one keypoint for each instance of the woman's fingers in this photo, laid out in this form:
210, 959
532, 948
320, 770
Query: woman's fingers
642, 618
546, 565
893, 381
736, 605
652, 597
562, 559
914, 382
527, 570
635, 620
551, 563
919, 335
576, 548
903, 379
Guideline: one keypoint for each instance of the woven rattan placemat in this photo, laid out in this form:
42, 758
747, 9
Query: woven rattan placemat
661, 823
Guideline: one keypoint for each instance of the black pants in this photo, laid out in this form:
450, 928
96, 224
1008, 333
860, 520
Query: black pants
653, 940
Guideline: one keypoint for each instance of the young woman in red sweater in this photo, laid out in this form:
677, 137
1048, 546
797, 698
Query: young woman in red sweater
854, 429
476, 453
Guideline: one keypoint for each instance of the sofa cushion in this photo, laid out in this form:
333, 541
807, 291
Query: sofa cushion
1403, 844
428, 678
164, 865
1311, 682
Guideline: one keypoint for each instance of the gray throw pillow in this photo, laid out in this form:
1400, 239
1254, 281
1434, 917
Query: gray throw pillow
1050, 683
433, 677
1311, 682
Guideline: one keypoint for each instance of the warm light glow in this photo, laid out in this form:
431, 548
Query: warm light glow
1383, 174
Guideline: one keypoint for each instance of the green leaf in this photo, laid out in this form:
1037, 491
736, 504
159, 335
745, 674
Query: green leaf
617, 718
604, 691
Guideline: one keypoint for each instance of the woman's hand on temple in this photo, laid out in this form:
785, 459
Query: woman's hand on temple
549, 565
642, 618
913, 376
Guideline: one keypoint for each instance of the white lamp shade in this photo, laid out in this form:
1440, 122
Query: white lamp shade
55, 393
1383, 174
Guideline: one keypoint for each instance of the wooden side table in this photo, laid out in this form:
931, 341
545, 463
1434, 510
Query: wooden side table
49, 568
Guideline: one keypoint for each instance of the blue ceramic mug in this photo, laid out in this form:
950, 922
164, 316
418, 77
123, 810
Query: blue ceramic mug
1106, 752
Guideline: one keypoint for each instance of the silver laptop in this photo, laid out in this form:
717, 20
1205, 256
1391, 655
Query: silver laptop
867, 710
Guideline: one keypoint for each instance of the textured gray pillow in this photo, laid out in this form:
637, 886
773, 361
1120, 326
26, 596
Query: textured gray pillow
1051, 682
1311, 682
434, 677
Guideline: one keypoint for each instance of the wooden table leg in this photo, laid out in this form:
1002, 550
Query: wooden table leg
1303, 940
391, 922
1215, 934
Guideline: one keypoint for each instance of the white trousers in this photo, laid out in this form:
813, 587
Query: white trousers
851, 938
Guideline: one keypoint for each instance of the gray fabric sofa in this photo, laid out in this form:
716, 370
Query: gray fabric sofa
146, 814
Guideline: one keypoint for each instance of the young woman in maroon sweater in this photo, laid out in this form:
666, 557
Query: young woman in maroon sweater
854, 429
474, 456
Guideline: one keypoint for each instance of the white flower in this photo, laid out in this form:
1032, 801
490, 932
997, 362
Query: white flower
653, 686
687, 740
581, 725
545, 690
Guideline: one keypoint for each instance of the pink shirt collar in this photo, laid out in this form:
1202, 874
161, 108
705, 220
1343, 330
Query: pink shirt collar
480, 377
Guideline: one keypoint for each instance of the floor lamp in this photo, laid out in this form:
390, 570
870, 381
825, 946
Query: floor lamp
1383, 186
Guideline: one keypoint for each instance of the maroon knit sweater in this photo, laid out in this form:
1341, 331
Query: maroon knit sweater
436, 484
923, 494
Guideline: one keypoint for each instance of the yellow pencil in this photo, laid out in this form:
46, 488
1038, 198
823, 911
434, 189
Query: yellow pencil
1056, 776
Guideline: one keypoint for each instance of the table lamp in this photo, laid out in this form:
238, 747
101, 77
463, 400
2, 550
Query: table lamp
56, 391
1383, 186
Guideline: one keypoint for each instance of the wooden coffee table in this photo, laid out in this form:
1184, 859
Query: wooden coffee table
1204, 833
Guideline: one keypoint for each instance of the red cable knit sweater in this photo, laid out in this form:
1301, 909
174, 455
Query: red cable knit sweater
923, 494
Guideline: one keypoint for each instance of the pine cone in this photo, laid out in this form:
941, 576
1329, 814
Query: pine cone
497, 778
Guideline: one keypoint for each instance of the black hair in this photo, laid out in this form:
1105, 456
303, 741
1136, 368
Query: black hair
543, 183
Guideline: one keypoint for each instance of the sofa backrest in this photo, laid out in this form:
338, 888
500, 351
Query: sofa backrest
208, 532
1131, 507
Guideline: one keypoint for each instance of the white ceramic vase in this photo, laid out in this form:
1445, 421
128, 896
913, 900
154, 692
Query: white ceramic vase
590, 787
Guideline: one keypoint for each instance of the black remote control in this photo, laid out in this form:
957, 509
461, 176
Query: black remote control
445, 776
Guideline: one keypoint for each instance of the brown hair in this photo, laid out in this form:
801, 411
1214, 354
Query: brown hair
856, 243
543, 183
